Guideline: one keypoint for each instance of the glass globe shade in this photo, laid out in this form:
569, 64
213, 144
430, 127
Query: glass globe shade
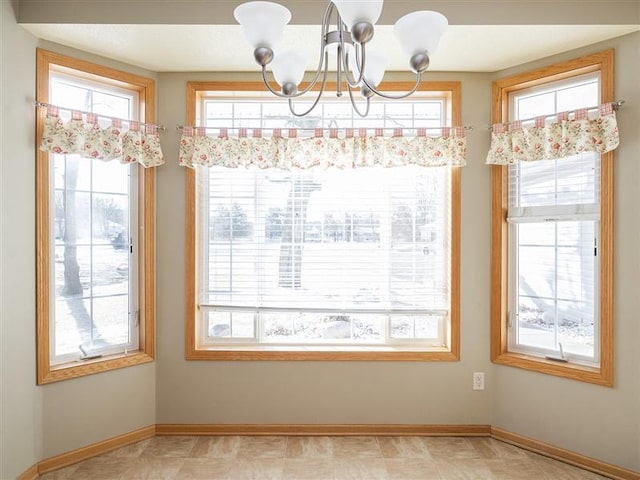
288, 67
262, 22
374, 66
354, 11
420, 32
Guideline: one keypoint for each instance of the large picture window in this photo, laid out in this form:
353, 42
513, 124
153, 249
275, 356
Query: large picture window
311, 264
95, 264
553, 221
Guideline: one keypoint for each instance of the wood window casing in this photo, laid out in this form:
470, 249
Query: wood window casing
145, 87
192, 352
602, 62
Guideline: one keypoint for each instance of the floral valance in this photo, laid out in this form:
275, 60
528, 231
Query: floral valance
562, 138
341, 149
136, 144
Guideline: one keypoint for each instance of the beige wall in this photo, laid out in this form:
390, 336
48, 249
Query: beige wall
38, 422
323, 392
20, 400
597, 421
86, 410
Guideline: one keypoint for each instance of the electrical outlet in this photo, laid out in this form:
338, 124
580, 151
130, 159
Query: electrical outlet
478, 380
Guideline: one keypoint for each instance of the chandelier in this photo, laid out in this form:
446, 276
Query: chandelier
347, 27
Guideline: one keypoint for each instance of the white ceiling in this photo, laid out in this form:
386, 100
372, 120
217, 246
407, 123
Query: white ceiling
194, 48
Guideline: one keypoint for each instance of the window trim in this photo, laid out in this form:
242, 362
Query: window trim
602, 375
47, 373
319, 353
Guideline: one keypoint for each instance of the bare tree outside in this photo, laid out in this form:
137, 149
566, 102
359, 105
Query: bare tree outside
72, 285
290, 275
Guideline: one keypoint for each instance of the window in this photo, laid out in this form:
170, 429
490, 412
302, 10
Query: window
95, 233
323, 264
552, 235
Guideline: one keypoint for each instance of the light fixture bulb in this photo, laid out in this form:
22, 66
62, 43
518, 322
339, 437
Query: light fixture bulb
420, 32
262, 22
288, 67
354, 11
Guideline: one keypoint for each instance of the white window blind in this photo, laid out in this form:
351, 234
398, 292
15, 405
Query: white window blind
554, 214
326, 256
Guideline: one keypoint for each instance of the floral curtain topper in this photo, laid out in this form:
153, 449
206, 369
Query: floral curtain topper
559, 139
137, 144
340, 150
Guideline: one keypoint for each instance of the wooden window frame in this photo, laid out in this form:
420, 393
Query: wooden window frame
602, 62
266, 352
145, 87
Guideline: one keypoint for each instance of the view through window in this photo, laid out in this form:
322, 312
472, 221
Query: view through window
325, 257
94, 246
554, 215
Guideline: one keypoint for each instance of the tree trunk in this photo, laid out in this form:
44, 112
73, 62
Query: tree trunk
290, 268
72, 285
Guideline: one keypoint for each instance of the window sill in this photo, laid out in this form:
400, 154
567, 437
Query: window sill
322, 353
81, 368
582, 373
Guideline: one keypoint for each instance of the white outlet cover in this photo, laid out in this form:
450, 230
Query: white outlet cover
478, 380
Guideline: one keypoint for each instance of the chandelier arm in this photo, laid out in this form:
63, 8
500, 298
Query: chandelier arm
395, 97
325, 26
345, 61
322, 85
323, 34
355, 107
269, 87
344, 57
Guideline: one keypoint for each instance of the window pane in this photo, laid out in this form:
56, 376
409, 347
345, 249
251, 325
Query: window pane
72, 271
247, 110
110, 220
239, 325
416, 326
430, 110
68, 95
109, 270
576, 329
77, 172
322, 328
219, 110
72, 324
219, 324
556, 284
535, 105
536, 269
580, 96
566, 181
536, 323
110, 321
111, 105
110, 177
